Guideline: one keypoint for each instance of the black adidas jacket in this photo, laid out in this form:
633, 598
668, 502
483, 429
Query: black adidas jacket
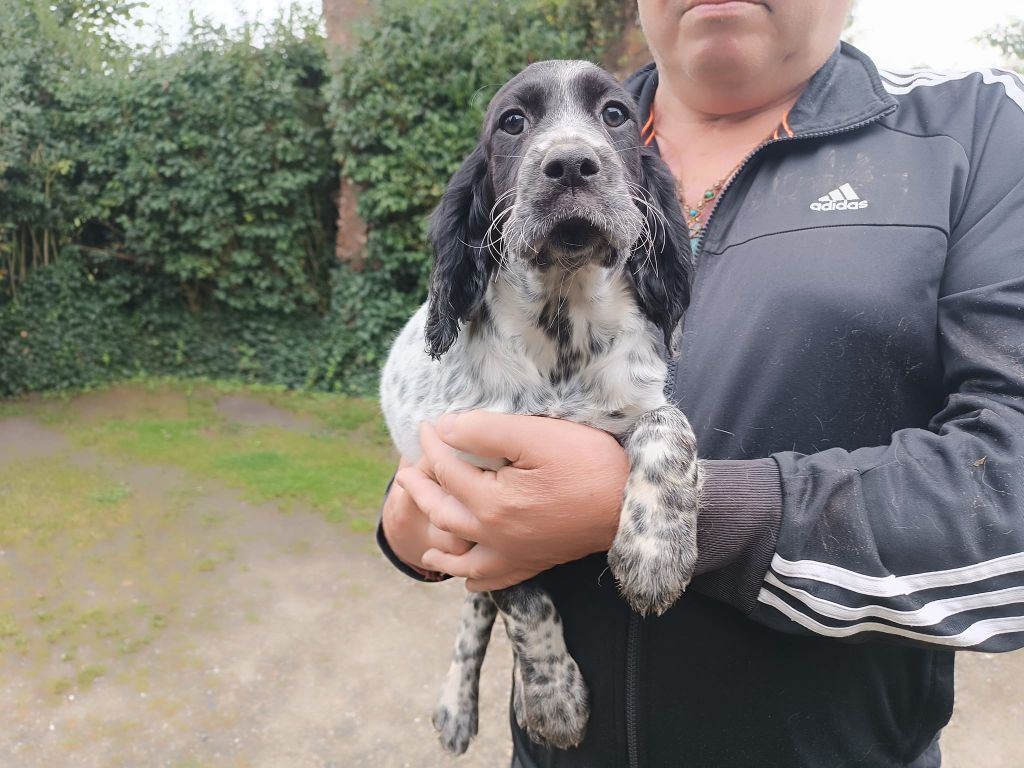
853, 365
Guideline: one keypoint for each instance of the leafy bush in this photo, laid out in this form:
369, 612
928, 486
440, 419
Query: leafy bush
67, 329
171, 212
45, 48
1008, 38
211, 167
77, 324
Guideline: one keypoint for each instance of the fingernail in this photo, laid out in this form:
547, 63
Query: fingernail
446, 425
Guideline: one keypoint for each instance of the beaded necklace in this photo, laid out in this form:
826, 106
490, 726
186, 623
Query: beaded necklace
697, 215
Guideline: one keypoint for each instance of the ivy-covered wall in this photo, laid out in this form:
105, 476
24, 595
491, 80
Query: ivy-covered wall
172, 212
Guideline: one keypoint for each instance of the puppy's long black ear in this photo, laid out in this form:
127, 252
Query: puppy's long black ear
462, 261
662, 277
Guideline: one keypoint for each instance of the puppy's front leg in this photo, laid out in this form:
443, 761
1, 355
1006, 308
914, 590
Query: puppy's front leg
655, 549
551, 703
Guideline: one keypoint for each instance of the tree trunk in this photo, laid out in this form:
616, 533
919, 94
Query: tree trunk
629, 52
350, 242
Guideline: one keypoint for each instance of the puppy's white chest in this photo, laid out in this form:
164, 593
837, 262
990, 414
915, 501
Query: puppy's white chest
603, 370
608, 391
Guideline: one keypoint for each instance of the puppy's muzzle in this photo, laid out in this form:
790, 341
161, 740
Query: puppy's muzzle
570, 203
571, 165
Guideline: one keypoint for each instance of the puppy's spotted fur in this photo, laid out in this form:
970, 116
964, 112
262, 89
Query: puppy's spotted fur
558, 245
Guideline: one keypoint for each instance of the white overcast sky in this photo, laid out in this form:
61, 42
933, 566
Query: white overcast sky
895, 33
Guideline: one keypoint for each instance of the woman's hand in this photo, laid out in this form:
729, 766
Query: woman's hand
557, 500
410, 532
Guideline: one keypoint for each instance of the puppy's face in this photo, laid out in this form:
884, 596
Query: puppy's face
559, 180
563, 150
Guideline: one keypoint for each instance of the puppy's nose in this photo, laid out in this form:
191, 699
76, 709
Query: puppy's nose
571, 165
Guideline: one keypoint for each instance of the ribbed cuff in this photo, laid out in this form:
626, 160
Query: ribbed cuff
419, 574
738, 525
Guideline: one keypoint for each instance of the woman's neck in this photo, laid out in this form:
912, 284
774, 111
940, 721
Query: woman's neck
703, 148
674, 104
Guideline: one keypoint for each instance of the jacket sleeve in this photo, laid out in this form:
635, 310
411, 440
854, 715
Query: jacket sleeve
419, 574
920, 540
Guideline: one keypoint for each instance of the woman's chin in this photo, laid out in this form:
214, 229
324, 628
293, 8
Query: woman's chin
726, 63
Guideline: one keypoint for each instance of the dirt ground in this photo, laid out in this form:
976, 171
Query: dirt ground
212, 631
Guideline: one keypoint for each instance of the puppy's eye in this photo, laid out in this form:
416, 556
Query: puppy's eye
614, 115
512, 122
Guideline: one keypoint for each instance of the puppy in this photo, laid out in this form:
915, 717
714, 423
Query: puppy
562, 269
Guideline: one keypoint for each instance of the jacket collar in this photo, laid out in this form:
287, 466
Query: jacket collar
844, 93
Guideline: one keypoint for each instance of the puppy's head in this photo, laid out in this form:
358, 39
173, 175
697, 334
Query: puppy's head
559, 180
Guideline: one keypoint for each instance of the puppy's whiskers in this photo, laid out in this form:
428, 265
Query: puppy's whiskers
650, 241
494, 237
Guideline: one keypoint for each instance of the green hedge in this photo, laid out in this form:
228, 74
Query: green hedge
72, 327
172, 212
212, 168
209, 169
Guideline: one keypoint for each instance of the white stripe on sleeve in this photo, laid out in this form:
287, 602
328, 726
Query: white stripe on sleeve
898, 83
891, 586
927, 615
974, 635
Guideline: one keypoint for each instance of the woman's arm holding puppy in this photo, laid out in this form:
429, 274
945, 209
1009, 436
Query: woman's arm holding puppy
557, 500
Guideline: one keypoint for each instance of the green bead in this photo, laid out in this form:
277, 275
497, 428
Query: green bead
708, 195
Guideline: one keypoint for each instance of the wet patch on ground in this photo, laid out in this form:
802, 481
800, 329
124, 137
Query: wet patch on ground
259, 413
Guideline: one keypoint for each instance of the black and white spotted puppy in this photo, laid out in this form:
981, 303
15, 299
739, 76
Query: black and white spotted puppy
559, 246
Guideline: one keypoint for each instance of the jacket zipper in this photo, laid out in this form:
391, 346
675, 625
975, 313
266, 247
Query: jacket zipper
632, 669
633, 635
670, 375
746, 161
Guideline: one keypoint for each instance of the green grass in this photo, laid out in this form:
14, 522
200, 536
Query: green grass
111, 494
40, 500
341, 475
59, 630
340, 469
88, 675
8, 626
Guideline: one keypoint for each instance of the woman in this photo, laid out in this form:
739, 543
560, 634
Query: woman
851, 364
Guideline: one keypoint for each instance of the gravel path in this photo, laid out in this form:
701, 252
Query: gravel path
272, 639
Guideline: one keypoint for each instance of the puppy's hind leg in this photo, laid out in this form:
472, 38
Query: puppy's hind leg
551, 701
655, 548
456, 716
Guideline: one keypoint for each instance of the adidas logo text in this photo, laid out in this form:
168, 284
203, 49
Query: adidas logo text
842, 198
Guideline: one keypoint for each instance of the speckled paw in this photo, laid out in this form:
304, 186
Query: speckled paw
555, 708
651, 577
455, 727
